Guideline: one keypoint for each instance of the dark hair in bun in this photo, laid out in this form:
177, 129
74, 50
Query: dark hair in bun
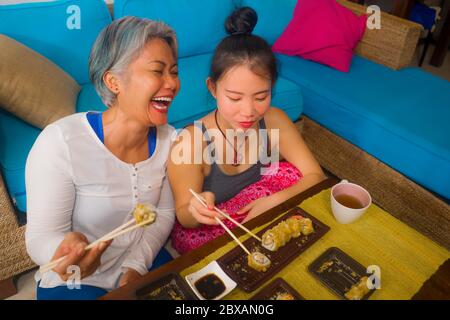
241, 21
243, 48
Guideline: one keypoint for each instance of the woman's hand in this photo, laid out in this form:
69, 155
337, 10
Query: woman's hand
73, 247
200, 213
257, 207
129, 276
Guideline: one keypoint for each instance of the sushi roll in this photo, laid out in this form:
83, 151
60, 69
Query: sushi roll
285, 230
284, 296
143, 213
276, 230
295, 227
258, 261
307, 226
271, 240
358, 291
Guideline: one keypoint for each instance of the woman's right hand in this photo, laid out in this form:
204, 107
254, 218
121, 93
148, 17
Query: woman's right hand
201, 213
73, 247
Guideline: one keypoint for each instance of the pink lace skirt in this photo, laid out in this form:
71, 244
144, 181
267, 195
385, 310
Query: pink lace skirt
284, 176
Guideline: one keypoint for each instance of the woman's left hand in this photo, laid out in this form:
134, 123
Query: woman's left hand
257, 207
128, 277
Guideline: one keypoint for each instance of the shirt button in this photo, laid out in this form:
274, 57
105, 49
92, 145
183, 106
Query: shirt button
134, 174
135, 195
134, 187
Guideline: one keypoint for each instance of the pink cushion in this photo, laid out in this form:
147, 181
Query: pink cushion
322, 31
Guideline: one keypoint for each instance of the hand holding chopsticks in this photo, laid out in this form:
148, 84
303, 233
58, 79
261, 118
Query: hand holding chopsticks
256, 259
142, 216
202, 201
199, 198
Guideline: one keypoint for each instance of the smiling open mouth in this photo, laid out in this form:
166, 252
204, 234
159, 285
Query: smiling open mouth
161, 103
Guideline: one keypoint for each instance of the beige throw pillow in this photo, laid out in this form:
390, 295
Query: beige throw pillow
32, 87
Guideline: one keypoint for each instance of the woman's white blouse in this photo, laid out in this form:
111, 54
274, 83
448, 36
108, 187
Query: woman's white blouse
74, 183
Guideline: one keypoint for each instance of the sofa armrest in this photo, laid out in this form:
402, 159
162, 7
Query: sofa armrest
393, 45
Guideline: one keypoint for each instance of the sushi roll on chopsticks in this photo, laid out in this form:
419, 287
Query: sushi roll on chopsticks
143, 212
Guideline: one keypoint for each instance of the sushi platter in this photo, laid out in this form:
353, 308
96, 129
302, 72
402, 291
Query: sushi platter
282, 241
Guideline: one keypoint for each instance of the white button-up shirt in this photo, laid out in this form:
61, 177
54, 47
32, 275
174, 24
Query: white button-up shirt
74, 183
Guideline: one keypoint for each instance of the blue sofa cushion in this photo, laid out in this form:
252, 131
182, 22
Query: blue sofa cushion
194, 100
89, 100
399, 117
199, 24
50, 28
17, 138
273, 17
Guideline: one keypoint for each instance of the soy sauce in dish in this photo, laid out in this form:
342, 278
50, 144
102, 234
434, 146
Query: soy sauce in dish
209, 286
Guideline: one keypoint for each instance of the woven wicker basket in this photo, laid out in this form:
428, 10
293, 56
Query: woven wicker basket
13, 255
8, 221
393, 45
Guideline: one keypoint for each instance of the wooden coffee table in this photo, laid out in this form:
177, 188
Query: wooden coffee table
437, 287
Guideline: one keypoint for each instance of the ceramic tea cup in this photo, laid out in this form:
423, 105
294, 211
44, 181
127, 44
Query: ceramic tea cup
349, 201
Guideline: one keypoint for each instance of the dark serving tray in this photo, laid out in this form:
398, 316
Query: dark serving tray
235, 264
169, 287
341, 273
276, 287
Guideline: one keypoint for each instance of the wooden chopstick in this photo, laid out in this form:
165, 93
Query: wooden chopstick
199, 198
109, 236
232, 235
221, 223
127, 230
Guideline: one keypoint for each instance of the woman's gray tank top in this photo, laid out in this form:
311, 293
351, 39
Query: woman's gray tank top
225, 186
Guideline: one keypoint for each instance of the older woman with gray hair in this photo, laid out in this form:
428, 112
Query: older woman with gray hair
86, 172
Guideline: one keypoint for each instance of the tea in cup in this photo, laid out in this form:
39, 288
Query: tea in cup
349, 201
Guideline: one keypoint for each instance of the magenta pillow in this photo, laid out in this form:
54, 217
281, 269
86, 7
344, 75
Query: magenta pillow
322, 31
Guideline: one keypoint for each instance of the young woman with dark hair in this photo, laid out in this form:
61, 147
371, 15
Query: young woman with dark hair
242, 75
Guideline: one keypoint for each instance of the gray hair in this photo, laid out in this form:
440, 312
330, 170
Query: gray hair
119, 44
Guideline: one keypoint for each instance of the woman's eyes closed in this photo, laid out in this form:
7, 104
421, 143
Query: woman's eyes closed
261, 99
257, 99
161, 72
234, 99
